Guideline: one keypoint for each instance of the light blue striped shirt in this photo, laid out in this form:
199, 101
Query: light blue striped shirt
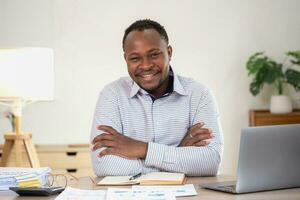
162, 123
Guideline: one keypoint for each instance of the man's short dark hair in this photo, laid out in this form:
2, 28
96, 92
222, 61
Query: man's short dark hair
145, 24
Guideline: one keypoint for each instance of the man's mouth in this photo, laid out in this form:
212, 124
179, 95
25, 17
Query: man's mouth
148, 76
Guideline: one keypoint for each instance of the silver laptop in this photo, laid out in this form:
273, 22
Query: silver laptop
269, 159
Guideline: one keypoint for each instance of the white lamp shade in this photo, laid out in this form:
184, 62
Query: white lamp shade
26, 73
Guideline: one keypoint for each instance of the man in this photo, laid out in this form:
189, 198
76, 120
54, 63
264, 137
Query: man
155, 120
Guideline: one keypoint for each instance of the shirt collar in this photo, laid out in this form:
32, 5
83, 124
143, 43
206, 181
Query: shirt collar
177, 86
134, 89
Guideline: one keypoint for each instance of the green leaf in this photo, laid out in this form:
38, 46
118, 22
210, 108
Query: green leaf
269, 72
255, 87
293, 78
295, 57
264, 71
261, 74
272, 72
255, 63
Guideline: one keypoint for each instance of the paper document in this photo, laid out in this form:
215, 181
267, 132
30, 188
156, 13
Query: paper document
119, 194
78, 194
23, 177
129, 194
7, 172
178, 191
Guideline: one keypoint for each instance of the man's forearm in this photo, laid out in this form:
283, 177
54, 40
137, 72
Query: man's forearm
115, 165
193, 161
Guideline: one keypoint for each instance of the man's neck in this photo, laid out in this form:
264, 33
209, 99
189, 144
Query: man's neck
166, 88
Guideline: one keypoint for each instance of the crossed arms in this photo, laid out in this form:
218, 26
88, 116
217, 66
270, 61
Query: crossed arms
198, 153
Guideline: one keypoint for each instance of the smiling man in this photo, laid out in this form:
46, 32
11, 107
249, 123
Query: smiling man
154, 120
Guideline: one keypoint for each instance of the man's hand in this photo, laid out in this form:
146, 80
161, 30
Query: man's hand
197, 136
118, 144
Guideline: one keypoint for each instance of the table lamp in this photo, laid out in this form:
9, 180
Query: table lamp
26, 76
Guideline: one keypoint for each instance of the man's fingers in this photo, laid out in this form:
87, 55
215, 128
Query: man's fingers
107, 129
196, 126
96, 146
192, 140
104, 136
203, 136
103, 143
200, 131
197, 136
189, 142
111, 151
202, 143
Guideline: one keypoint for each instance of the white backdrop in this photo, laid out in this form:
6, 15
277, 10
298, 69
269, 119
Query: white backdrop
211, 39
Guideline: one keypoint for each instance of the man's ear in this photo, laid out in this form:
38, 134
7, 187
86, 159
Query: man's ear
170, 50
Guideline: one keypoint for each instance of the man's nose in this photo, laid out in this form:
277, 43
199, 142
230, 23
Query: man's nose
146, 64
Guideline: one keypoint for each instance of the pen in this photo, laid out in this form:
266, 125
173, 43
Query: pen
135, 176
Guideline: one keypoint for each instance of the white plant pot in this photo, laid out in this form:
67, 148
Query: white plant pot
280, 104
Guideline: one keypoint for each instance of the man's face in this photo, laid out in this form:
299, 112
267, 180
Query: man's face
147, 56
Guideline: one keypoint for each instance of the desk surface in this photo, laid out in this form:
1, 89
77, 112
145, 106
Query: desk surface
85, 183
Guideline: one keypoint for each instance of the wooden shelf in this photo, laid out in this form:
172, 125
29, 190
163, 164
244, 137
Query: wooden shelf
264, 117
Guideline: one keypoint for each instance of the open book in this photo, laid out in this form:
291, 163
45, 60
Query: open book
154, 178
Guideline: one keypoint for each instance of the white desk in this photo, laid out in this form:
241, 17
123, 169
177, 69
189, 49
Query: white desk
203, 194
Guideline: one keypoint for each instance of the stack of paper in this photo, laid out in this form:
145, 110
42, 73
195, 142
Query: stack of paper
28, 180
23, 177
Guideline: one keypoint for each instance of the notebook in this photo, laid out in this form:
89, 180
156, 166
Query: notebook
154, 178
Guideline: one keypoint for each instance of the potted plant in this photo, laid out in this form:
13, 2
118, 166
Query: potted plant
267, 71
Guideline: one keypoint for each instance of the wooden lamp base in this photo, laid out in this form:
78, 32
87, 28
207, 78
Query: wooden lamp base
21, 143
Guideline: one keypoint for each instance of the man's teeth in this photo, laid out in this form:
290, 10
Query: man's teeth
147, 75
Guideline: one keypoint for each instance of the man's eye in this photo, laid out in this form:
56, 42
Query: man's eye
134, 59
155, 55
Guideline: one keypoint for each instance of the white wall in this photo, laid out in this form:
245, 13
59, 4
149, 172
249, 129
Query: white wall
211, 41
